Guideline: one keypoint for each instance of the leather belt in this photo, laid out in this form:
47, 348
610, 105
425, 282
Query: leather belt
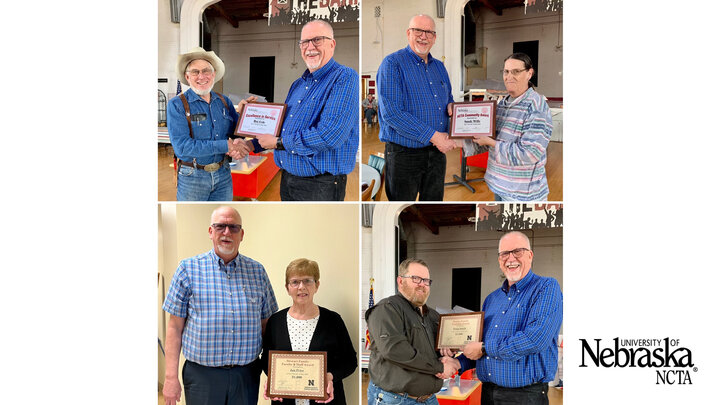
212, 167
229, 366
421, 398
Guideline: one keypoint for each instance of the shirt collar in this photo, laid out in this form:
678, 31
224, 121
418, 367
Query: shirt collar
520, 285
320, 73
416, 57
220, 262
424, 306
527, 93
192, 96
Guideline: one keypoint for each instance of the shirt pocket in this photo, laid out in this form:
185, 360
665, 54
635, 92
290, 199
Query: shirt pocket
252, 298
518, 316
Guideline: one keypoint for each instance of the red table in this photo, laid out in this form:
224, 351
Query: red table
467, 393
249, 180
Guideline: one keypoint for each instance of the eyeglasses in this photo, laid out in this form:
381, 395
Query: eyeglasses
317, 41
234, 228
296, 283
515, 252
195, 72
418, 32
418, 280
513, 72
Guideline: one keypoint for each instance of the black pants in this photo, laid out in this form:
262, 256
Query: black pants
410, 171
535, 394
325, 187
219, 386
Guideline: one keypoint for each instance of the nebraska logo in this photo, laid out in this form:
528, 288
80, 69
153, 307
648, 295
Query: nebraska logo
645, 353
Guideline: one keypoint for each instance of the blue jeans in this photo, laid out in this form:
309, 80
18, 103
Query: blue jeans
413, 171
377, 396
369, 115
218, 386
324, 187
199, 185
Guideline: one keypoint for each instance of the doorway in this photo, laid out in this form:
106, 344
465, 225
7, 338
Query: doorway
466, 283
262, 77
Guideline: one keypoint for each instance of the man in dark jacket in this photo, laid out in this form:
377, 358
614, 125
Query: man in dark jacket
404, 365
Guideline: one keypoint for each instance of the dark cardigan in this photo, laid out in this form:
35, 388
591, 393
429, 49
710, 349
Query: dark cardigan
330, 336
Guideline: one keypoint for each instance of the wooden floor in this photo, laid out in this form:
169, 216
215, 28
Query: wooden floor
167, 191
371, 144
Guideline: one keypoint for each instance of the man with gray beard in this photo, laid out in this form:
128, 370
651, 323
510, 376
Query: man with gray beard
219, 303
319, 140
200, 124
404, 366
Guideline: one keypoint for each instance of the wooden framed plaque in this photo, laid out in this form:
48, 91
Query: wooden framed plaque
260, 119
473, 119
457, 329
299, 375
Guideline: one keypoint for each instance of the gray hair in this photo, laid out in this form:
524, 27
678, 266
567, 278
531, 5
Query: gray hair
527, 240
420, 15
403, 268
323, 23
223, 208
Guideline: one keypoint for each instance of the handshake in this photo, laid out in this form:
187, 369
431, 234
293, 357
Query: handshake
239, 148
442, 141
472, 350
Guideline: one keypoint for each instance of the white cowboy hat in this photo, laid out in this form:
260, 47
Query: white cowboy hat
198, 53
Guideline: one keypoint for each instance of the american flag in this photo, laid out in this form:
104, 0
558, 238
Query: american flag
179, 89
371, 303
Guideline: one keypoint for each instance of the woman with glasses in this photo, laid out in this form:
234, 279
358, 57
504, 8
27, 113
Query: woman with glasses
517, 157
305, 326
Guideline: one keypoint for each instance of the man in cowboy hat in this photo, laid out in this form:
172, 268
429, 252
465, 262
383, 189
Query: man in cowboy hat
200, 122
319, 139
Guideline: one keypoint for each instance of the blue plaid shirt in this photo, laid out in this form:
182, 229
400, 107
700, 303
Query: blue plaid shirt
320, 130
520, 333
223, 305
413, 98
210, 133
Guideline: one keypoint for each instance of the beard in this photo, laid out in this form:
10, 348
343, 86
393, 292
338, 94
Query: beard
417, 297
202, 92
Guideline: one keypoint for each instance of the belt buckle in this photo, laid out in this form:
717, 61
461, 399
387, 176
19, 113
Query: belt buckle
212, 167
423, 398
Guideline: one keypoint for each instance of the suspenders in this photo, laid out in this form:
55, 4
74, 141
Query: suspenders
187, 109
187, 116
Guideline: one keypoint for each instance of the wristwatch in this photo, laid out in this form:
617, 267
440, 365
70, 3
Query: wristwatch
279, 144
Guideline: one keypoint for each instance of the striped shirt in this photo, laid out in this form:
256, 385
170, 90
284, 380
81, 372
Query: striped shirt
413, 98
516, 165
223, 305
320, 132
520, 333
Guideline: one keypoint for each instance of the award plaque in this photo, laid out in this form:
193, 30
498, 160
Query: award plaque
457, 329
473, 119
298, 375
260, 119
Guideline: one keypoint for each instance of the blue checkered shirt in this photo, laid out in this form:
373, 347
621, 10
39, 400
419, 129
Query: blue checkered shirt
413, 98
520, 333
223, 305
320, 130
